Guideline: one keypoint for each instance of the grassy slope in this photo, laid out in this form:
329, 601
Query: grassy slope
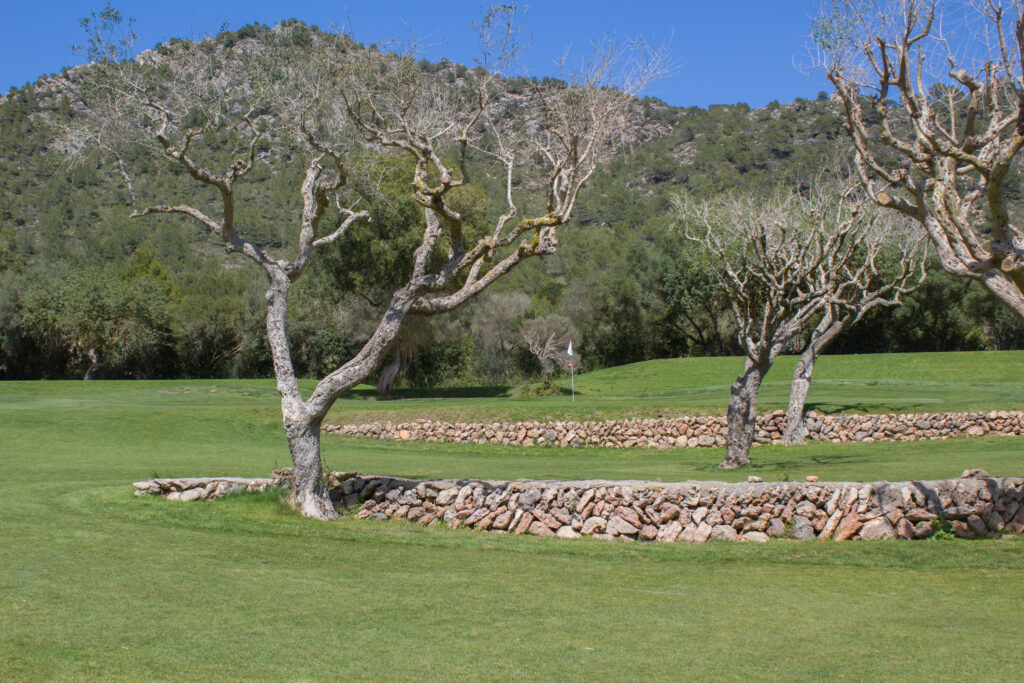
867, 383
97, 584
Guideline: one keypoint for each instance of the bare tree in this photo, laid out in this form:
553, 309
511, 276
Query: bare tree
548, 338
934, 105
888, 264
775, 262
281, 96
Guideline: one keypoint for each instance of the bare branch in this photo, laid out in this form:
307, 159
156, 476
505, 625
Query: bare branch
953, 129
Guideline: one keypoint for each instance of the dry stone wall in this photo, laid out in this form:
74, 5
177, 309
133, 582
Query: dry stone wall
201, 488
694, 432
974, 505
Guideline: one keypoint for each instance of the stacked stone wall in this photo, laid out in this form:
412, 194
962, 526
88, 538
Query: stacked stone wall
974, 505
694, 432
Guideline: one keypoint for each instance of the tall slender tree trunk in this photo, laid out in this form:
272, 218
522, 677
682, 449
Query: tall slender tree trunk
742, 415
824, 334
795, 427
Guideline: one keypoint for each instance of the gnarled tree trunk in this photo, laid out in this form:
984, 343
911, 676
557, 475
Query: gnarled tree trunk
301, 422
742, 415
309, 494
318, 98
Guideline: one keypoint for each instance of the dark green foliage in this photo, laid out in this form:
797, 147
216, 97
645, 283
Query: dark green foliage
623, 275
86, 318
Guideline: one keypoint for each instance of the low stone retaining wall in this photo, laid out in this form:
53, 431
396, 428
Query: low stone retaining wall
693, 432
201, 488
974, 505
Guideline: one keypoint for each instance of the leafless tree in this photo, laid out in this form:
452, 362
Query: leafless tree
888, 263
775, 260
548, 338
933, 98
334, 101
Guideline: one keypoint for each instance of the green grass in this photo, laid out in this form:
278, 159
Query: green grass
97, 584
911, 382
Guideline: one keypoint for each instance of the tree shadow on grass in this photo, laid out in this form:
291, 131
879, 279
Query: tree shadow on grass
789, 464
369, 394
830, 407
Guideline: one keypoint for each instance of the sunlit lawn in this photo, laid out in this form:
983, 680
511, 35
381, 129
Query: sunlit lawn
97, 584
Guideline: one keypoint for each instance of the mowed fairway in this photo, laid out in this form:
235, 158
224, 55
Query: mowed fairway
910, 382
96, 584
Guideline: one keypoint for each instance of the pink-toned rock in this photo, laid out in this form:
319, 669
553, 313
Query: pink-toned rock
920, 515
502, 520
524, 523
486, 522
193, 494
477, 516
648, 532
905, 529
670, 532
629, 514
561, 515
619, 526
812, 477
847, 528
546, 519
819, 521
877, 529
668, 513
696, 534
540, 529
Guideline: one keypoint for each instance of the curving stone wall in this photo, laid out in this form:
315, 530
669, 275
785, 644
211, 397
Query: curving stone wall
974, 505
693, 432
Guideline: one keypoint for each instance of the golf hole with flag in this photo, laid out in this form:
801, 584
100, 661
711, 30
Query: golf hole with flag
572, 372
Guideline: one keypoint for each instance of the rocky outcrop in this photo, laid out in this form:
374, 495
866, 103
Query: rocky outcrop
694, 432
974, 505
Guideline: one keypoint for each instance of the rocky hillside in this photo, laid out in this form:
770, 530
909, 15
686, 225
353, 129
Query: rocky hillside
622, 275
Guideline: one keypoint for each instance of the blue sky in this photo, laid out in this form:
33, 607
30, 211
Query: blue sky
727, 51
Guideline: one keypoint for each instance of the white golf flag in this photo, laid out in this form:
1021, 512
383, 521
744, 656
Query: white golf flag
569, 350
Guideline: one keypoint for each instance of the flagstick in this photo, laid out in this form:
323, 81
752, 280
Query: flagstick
572, 371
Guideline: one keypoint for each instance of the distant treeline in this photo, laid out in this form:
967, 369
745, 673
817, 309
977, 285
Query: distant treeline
85, 289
